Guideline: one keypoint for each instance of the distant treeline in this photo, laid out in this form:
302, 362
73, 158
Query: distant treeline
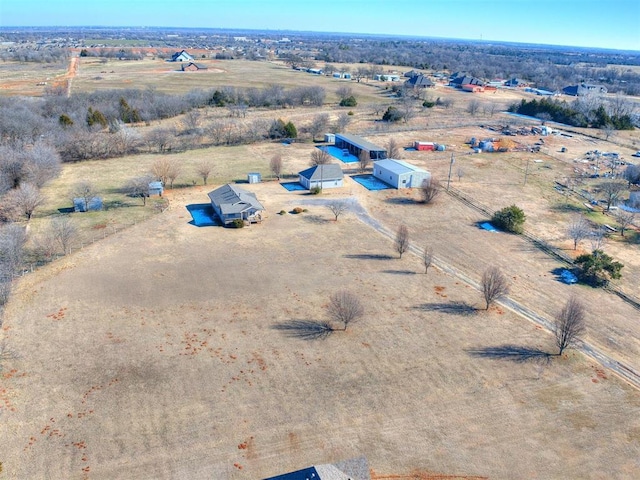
580, 113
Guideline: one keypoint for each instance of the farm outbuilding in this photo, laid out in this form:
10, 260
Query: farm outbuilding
472, 88
254, 177
324, 176
193, 67
399, 174
87, 204
355, 144
156, 188
424, 146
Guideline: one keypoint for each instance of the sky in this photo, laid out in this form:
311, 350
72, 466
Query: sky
585, 23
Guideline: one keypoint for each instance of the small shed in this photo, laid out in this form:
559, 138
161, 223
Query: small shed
328, 175
156, 188
81, 204
424, 146
399, 174
254, 177
330, 138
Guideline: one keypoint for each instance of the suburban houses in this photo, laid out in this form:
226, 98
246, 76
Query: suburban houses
182, 56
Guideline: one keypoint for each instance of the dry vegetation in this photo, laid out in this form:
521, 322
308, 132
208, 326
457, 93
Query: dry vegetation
153, 353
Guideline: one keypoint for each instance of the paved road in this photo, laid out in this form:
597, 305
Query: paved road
620, 369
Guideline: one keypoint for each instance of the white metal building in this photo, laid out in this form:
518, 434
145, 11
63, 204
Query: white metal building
399, 174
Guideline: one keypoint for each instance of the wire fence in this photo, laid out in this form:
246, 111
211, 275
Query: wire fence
542, 245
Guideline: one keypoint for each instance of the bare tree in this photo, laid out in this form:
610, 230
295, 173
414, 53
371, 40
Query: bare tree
402, 239
569, 324
203, 168
632, 174
597, 238
319, 157
393, 149
608, 129
429, 190
473, 107
166, 170
276, 165
345, 308
578, 230
139, 187
64, 232
22, 201
494, 285
624, 219
611, 191
427, 258
319, 124
337, 208
364, 160
344, 91
84, 190
341, 123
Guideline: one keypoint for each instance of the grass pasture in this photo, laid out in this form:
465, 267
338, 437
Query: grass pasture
176, 370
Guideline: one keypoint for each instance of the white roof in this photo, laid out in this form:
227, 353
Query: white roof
398, 166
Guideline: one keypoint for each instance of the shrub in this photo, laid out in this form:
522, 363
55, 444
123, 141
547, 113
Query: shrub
428, 104
315, 190
392, 115
509, 219
350, 113
297, 210
282, 212
597, 268
349, 102
237, 223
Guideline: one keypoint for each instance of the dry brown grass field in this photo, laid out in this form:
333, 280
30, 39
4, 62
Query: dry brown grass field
155, 352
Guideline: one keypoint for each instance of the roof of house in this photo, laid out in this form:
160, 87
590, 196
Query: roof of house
418, 81
397, 166
183, 53
360, 142
233, 199
583, 89
466, 80
354, 469
199, 66
327, 172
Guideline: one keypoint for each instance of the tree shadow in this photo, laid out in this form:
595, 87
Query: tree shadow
567, 208
305, 329
400, 272
451, 308
368, 256
402, 201
513, 353
316, 219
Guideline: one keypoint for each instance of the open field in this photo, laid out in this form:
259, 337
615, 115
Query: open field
155, 356
153, 353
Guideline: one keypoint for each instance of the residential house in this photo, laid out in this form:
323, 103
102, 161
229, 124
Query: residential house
418, 81
584, 89
399, 174
353, 469
328, 175
458, 82
193, 67
231, 202
516, 83
182, 56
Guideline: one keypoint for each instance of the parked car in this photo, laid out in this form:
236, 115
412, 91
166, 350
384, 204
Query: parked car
637, 154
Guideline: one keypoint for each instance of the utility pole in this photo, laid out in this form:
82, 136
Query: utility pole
450, 167
526, 172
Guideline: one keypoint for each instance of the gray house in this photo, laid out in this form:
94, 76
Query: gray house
418, 81
584, 89
231, 202
324, 176
399, 174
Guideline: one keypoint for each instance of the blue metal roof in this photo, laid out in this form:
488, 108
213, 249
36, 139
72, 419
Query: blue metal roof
304, 474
